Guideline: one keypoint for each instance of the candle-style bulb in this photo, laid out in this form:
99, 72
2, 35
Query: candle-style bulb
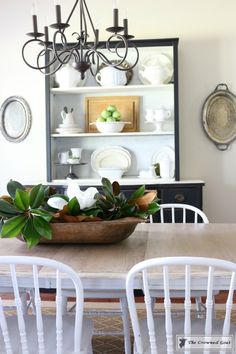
96, 36
114, 4
125, 24
56, 2
46, 34
58, 13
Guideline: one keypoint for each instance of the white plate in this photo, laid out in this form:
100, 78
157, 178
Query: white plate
165, 152
156, 69
68, 130
111, 157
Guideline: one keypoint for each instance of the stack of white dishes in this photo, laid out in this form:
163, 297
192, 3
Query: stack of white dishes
68, 129
111, 161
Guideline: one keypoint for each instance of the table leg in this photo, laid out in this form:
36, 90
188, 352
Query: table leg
126, 327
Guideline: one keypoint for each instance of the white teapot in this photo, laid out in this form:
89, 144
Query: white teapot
67, 118
68, 77
110, 76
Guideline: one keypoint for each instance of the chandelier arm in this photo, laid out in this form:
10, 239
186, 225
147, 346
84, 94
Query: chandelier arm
71, 13
58, 55
49, 73
122, 40
90, 19
83, 28
42, 52
94, 62
76, 55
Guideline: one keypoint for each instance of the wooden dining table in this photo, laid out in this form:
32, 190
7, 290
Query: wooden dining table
103, 267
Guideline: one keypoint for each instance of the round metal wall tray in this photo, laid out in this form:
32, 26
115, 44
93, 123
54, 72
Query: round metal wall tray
219, 116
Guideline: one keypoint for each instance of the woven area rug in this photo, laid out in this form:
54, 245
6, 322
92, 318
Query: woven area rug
114, 343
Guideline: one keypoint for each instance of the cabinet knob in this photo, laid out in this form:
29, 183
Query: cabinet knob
179, 198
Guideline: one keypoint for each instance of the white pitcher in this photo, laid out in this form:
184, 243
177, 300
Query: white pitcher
76, 153
67, 119
110, 76
63, 157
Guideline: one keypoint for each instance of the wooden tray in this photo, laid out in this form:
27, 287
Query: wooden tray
92, 232
127, 105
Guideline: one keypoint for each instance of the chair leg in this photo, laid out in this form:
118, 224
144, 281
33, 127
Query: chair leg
126, 327
153, 301
200, 308
23, 298
64, 304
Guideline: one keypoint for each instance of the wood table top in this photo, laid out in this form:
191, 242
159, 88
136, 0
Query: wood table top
109, 263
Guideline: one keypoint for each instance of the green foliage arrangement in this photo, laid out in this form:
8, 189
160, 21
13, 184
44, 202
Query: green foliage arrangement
26, 212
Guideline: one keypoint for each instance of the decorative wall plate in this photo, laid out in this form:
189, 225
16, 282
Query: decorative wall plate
15, 119
219, 116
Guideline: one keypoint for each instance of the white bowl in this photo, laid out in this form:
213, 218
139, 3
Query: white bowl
111, 173
110, 127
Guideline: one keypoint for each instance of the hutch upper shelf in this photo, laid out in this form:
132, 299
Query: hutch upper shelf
145, 135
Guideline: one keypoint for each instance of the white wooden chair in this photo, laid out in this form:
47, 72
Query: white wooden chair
157, 334
185, 209
43, 333
168, 213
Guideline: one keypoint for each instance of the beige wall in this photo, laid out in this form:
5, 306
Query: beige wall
207, 56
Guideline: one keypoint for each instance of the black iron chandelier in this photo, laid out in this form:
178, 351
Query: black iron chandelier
84, 54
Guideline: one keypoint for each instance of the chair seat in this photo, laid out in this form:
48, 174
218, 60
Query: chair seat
50, 337
197, 328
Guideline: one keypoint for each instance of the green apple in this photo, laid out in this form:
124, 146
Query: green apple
111, 108
111, 119
116, 115
105, 114
101, 119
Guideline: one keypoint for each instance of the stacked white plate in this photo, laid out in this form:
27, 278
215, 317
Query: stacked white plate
72, 129
114, 157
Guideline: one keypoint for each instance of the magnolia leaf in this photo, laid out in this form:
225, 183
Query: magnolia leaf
12, 186
42, 227
138, 193
57, 202
129, 210
29, 231
32, 241
7, 209
107, 187
73, 207
48, 191
153, 208
44, 214
13, 226
22, 200
36, 196
1, 224
116, 188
